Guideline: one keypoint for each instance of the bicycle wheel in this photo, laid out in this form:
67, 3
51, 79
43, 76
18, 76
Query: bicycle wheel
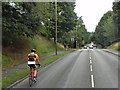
30, 81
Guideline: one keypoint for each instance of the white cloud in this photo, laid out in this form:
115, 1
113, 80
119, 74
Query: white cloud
92, 11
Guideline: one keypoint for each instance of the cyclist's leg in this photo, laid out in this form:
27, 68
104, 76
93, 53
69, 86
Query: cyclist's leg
30, 68
35, 71
31, 76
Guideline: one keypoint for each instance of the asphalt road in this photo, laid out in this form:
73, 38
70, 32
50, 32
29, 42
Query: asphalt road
92, 68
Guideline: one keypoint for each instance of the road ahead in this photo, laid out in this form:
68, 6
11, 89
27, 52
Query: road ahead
80, 69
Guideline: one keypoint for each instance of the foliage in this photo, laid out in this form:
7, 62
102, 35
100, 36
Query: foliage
104, 33
66, 16
116, 18
107, 31
18, 20
30, 19
76, 37
14, 56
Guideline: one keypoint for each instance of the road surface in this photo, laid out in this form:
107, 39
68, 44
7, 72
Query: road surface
87, 68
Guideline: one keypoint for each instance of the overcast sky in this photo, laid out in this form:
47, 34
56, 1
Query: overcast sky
92, 11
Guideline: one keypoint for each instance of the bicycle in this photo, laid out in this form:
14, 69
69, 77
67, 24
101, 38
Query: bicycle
31, 77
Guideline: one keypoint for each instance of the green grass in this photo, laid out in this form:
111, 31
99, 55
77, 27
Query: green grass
0, 85
43, 45
13, 77
53, 58
115, 46
20, 74
9, 62
6, 60
12, 57
17, 55
0, 61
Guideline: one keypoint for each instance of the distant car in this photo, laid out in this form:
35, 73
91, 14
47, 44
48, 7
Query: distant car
95, 46
85, 47
90, 47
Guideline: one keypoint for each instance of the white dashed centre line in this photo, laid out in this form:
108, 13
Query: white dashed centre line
90, 61
90, 54
90, 57
91, 68
92, 81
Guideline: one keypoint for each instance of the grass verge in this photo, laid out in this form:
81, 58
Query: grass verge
22, 73
17, 54
14, 77
115, 46
53, 58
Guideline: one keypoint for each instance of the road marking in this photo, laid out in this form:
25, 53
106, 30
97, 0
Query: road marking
90, 57
92, 81
90, 54
90, 61
91, 69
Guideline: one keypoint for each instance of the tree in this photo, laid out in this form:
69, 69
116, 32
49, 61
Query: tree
116, 19
76, 37
104, 33
66, 16
19, 19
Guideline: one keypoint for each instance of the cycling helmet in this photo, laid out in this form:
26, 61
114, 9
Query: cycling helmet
33, 50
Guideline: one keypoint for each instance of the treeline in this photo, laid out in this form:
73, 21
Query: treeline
107, 30
77, 37
29, 19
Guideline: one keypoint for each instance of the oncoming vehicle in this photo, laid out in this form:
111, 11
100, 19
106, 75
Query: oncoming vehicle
90, 47
85, 47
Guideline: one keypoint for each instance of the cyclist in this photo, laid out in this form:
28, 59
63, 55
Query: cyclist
33, 59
